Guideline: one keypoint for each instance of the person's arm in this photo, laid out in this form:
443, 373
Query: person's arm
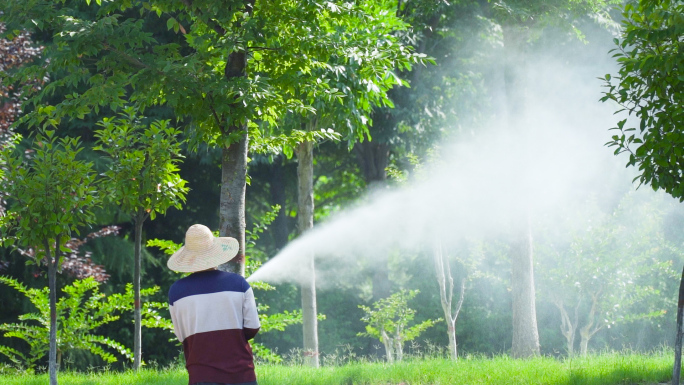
174, 318
175, 323
251, 324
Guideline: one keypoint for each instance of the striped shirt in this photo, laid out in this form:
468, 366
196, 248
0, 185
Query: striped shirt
214, 315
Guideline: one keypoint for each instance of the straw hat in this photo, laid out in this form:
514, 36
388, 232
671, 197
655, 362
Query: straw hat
202, 251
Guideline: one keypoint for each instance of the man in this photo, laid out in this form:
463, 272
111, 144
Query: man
213, 312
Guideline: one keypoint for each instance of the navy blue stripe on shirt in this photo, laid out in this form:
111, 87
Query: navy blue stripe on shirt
207, 282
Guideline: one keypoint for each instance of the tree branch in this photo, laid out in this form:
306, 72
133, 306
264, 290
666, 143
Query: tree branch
257, 48
219, 120
208, 21
460, 299
128, 57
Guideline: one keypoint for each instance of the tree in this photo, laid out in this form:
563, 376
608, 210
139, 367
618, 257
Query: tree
228, 66
144, 181
305, 216
53, 197
446, 295
611, 271
389, 320
521, 21
648, 87
469, 264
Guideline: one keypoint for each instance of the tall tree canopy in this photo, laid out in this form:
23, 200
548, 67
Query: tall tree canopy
225, 67
649, 88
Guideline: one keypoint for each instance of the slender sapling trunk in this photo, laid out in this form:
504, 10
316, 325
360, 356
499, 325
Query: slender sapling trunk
446, 295
453, 347
398, 346
52, 286
588, 330
584, 341
389, 346
568, 326
137, 273
676, 372
305, 222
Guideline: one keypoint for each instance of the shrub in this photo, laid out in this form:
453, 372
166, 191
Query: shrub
81, 310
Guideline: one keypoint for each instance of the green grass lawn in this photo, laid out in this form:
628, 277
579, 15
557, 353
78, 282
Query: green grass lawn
603, 369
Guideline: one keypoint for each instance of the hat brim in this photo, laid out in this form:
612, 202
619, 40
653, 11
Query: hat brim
221, 251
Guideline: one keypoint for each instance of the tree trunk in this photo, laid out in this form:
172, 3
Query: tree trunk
398, 347
137, 273
234, 163
568, 327
232, 205
52, 286
309, 321
525, 334
678, 340
305, 216
278, 196
446, 295
445, 299
454, 318
515, 45
586, 331
584, 341
453, 346
373, 158
389, 346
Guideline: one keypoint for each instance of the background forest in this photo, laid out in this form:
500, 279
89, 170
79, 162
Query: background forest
447, 141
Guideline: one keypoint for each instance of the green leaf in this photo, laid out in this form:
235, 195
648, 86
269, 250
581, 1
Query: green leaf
171, 23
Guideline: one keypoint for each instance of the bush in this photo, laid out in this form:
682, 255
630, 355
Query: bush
79, 316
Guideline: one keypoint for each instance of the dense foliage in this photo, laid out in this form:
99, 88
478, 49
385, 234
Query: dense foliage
649, 88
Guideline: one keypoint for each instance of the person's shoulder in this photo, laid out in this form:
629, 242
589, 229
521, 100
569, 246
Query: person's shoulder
175, 289
229, 275
234, 280
180, 282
